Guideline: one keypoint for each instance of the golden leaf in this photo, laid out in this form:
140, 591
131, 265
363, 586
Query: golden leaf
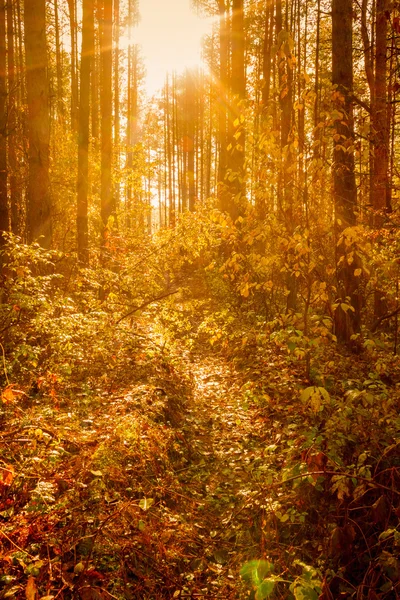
31, 590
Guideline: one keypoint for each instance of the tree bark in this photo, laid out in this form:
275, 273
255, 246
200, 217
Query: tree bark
236, 155
347, 320
83, 131
4, 209
74, 77
15, 195
38, 193
60, 91
223, 85
107, 202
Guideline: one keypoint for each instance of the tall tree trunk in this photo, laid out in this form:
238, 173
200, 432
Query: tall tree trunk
60, 92
116, 97
15, 195
236, 160
379, 116
95, 129
223, 90
347, 320
4, 209
169, 118
83, 131
190, 104
107, 202
74, 77
267, 58
38, 201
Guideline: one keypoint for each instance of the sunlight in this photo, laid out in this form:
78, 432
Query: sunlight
170, 34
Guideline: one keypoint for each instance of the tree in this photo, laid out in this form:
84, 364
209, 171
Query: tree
39, 223
87, 58
236, 154
74, 77
15, 193
4, 212
107, 202
347, 315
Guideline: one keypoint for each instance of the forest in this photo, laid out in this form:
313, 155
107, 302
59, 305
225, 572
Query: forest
199, 303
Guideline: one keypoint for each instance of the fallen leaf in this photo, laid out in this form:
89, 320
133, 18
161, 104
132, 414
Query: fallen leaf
31, 590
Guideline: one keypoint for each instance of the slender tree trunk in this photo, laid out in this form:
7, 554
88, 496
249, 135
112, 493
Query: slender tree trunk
174, 141
95, 81
223, 90
268, 30
15, 195
172, 216
4, 208
107, 202
38, 201
190, 96
236, 161
83, 131
116, 97
379, 117
60, 91
347, 321
74, 77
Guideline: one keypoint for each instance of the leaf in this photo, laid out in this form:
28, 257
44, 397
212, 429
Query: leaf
255, 571
97, 473
146, 503
79, 567
221, 556
7, 475
245, 290
305, 592
265, 589
141, 525
8, 395
357, 272
31, 590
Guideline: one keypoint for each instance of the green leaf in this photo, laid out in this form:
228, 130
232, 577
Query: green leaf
146, 503
79, 567
255, 571
265, 589
305, 593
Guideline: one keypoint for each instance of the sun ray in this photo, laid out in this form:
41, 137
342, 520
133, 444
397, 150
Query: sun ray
170, 34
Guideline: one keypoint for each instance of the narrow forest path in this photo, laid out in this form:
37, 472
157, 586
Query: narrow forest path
148, 483
227, 439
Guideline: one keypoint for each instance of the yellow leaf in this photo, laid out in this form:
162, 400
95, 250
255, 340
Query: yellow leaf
357, 272
245, 290
31, 590
7, 395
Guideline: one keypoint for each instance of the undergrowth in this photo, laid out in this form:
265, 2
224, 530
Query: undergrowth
102, 491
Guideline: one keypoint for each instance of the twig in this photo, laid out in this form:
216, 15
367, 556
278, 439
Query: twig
147, 303
310, 474
4, 363
15, 545
383, 318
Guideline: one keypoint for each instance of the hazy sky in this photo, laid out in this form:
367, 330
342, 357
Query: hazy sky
170, 34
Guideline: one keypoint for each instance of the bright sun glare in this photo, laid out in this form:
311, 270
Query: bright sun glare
170, 34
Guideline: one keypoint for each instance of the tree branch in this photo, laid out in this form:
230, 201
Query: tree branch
147, 303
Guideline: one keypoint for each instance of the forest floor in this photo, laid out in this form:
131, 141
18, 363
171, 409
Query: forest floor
185, 474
